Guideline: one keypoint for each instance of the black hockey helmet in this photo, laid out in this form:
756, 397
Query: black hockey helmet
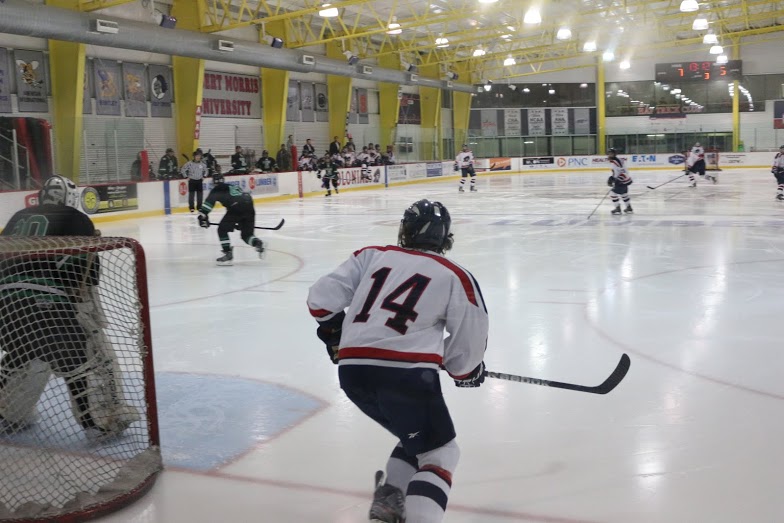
426, 225
217, 177
611, 152
781, 147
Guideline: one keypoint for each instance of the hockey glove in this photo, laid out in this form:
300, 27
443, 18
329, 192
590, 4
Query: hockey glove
610, 181
329, 332
456, 167
474, 379
203, 220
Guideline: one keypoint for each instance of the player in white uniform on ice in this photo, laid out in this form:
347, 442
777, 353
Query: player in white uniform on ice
778, 172
696, 164
465, 162
620, 181
390, 346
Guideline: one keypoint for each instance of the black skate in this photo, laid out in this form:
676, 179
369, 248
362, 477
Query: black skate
473, 189
460, 189
616, 211
259, 246
227, 258
337, 191
628, 209
780, 197
329, 193
389, 503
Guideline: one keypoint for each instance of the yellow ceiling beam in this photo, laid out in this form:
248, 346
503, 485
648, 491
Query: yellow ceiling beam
94, 5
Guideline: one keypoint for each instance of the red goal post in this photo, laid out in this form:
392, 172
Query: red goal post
79, 429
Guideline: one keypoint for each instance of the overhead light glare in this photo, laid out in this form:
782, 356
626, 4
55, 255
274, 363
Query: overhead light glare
700, 24
442, 42
624, 65
526, 90
487, 1
328, 12
722, 59
689, 6
509, 61
608, 56
589, 47
710, 39
394, 28
583, 86
506, 37
551, 91
564, 33
487, 87
532, 16
479, 52
716, 49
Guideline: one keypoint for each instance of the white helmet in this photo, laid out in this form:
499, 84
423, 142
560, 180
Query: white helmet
697, 144
59, 190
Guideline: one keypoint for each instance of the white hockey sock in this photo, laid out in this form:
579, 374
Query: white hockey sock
462, 181
691, 177
428, 491
614, 198
473, 180
400, 468
626, 198
781, 188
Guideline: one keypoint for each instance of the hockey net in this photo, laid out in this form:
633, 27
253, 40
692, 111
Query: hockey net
712, 159
78, 419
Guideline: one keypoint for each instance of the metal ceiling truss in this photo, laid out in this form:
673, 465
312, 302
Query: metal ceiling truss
94, 5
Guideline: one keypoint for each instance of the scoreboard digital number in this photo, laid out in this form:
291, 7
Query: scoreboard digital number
698, 71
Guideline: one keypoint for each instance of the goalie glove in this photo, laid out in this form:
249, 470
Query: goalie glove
203, 220
329, 332
610, 181
473, 379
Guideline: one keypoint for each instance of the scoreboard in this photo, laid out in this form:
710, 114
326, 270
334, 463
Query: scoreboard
698, 71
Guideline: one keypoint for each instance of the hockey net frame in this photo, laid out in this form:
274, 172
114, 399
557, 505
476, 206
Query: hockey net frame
128, 464
712, 159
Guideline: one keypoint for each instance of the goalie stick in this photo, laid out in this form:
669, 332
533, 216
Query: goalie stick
665, 183
278, 226
608, 385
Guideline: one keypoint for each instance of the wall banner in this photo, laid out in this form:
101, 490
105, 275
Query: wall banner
559, 121
107, 87
512, 123
308, 110
161, 91
536, 125
5, 82
231, 96
135, 85
31, 78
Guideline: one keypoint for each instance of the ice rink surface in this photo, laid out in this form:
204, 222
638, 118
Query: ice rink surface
690, 287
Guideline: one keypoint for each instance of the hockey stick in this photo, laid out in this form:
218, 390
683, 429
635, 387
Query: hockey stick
278, 226
665, 183
609, 384
599, 205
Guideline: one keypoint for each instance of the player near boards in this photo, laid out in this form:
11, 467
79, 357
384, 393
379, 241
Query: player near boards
696, 164
778, 172
465, 162
240, 214
620, 181
330, 176
167, 167
389, 345
195, 171
55, 299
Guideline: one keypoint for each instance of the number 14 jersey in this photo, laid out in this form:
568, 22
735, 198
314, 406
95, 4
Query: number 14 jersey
399, 302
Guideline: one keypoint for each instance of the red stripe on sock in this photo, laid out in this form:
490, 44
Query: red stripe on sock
438, 471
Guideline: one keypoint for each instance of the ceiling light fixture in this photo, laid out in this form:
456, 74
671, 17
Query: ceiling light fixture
700, 24
564, 33
479, 52
526, 90
710, 39
487, 1
509, 61
722, 59
716, 49
327, 11
442, 42
608, 56
583, 86
506, 37
689, 6
624, 65
532, 16
589, 47
394, 28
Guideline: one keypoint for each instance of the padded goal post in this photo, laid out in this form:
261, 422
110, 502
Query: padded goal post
78, 417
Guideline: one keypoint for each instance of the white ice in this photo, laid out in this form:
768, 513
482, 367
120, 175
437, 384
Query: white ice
690, 287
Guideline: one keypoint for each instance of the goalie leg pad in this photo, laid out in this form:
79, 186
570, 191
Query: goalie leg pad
20, 389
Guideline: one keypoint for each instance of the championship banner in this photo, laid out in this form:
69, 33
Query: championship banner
31, 84
362, 105
559, 121
489, 122
109, 198
231, 96
107, 87
322, 105
778, 114
582, 121
5, 82
308, 112
410, 111
513, 125
536, 125
135, 85
292, 102
87, 92
161, 89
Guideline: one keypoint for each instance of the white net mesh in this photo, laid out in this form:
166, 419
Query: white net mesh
78, 427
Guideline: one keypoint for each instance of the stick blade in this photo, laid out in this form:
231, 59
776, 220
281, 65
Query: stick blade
616, 377
649, 187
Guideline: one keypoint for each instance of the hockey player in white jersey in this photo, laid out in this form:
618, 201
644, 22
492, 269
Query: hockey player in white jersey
696, 163
465, 162
390, 346
778, 172
620, 181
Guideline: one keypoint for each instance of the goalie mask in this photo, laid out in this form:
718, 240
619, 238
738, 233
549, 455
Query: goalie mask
426, 225
59, 190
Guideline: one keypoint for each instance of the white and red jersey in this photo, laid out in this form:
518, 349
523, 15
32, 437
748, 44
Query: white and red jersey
465, 159
778, 162
619, 171
696, 154
399, 302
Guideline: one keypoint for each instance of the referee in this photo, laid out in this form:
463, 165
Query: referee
195, 171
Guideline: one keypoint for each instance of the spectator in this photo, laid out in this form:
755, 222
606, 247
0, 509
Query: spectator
168, 168
307, 162
266, 163
348, 156
195, 171
284, 158
290, 142
308, 148
334, 147
389, 156
136, 169
239, 164
350, 143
